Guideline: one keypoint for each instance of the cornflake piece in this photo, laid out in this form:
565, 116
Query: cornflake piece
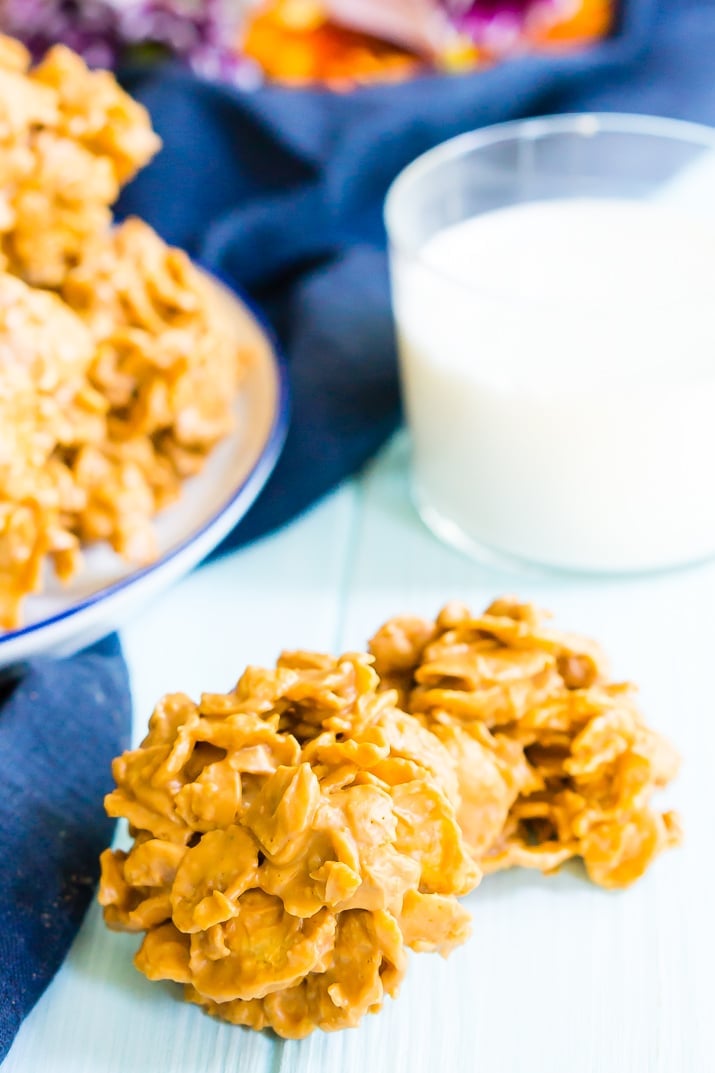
553, 760
95, 112
165, 362
13, 55
291, 839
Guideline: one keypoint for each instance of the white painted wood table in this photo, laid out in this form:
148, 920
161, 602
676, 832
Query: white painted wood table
559, 977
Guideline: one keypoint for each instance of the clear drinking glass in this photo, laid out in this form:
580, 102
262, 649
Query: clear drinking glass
552, 426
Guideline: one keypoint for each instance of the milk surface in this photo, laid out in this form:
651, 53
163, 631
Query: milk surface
558, 360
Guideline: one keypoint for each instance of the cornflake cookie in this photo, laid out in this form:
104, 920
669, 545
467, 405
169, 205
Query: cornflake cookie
291, 840
69, 138
45, 402
554, 760
167, 365
166, 361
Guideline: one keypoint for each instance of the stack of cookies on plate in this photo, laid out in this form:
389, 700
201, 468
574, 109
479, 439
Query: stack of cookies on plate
115, 382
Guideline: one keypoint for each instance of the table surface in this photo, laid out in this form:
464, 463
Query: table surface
559, 976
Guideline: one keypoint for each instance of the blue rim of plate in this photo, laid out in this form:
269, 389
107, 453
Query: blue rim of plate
248, 490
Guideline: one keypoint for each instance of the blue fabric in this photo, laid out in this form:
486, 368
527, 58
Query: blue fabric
60, 726
280, 192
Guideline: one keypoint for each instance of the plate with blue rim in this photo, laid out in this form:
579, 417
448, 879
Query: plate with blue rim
107, 591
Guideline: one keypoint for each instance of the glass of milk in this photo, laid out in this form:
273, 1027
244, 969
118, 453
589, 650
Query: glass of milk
554, 297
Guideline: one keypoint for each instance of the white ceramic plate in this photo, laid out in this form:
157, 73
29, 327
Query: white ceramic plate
107, 590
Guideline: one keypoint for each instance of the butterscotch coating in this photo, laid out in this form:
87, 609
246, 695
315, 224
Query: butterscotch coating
45, 352
131, 357
554, 760
69, 139
291, 839
166, 361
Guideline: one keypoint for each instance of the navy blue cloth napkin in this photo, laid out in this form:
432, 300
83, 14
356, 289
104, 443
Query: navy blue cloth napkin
280, 193
61, 724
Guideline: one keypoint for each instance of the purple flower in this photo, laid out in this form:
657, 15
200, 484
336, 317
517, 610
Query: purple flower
499, 25
201, 32
90, 27
181, 26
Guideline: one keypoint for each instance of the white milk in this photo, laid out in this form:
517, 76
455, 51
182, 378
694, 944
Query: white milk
558, 360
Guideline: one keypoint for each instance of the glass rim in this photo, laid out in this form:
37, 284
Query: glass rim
581, 124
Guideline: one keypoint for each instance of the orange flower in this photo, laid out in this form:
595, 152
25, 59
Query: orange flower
294, 42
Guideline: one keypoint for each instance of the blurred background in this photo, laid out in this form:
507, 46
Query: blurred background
339, 43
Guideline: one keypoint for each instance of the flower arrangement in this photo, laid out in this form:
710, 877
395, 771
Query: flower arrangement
202, 32
338, 42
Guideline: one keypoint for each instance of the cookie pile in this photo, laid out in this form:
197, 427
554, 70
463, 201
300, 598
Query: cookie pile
117, 374
294, 837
